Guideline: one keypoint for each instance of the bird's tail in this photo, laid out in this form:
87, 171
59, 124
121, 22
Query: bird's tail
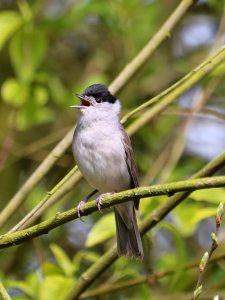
128, 239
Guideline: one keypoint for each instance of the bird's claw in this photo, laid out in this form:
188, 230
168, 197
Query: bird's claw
80, 209
99, 200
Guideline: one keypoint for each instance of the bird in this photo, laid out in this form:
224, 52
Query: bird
104, 155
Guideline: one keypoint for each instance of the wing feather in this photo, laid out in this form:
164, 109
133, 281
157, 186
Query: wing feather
131, 165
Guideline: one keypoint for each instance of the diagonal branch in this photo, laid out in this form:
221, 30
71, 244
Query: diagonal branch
3, 293
140, 60
167, 97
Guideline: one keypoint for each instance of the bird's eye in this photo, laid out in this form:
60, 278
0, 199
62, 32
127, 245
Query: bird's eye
99, 100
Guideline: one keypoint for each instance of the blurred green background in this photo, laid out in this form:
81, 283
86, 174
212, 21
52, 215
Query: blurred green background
50, 50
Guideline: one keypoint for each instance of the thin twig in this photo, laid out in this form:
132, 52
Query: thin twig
167, 97
3, 293
207, 255
35, 212
140, 60
33, 180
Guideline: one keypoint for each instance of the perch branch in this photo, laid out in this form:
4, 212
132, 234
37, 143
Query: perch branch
18, 237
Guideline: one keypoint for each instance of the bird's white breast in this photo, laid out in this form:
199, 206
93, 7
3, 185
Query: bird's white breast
99, 153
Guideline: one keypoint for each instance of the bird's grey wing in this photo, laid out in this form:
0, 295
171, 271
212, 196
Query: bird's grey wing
131, 165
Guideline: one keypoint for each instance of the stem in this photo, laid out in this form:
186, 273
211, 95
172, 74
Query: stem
3, 293
170, 94
140, 60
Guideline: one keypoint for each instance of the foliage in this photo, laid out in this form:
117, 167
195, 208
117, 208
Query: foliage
51, 49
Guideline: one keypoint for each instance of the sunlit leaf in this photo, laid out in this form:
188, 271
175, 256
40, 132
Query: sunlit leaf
49, 268
10, 21
14, 92
210, 195
62, 259
188, 215
40, 95
27, 51
55, 287
102, 230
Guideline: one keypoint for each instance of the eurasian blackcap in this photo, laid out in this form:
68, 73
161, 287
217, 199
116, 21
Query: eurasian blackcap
103, 153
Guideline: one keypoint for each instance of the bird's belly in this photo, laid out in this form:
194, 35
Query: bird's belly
103, 164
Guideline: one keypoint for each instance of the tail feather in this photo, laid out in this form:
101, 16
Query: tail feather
128, 239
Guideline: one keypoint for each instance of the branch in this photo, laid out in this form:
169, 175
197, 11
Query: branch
140, 60
115, 87
3, 293
149, 279
89, 276
170, 94
49, 199
207, 255
35, 178
12, 239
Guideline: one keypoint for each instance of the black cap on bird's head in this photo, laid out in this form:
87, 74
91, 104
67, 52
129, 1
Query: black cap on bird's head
100, 91
94, 94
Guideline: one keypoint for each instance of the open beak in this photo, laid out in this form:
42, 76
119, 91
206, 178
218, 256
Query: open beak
84, 101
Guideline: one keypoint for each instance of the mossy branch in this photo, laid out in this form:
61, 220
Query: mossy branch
18, 237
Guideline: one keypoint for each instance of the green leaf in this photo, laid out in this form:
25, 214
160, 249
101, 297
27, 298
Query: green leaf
188, 214
10, 21
49, 268
211, 195
202, 214
62, 259
102, 230
29, 117
181, 254
40, 95
22, 285
14, 93
55, 287
86, 255
27, 51
58, 92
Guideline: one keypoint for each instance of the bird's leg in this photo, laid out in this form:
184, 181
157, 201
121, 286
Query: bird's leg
100, 198
82, 202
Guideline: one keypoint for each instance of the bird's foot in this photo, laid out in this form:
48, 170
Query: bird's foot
80, 209
80, 206
99, 200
